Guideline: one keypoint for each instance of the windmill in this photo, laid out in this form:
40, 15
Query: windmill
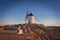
29, 18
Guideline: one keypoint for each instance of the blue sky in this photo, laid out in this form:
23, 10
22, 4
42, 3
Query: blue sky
14, 11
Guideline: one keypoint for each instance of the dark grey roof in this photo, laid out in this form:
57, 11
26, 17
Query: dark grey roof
30, 14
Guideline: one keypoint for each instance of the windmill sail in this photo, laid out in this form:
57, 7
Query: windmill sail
26, 18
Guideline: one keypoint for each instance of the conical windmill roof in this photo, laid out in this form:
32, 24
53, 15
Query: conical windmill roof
30, 14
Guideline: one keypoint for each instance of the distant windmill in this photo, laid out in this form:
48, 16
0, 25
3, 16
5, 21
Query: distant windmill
30, 18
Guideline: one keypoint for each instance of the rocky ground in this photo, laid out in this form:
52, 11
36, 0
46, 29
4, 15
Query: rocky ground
32, 33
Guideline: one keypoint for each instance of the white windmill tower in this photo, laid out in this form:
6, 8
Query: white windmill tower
30, 18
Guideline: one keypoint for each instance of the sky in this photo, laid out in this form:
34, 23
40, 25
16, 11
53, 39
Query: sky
45, 11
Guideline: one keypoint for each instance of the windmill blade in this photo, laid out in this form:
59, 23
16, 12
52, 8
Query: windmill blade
26, 16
